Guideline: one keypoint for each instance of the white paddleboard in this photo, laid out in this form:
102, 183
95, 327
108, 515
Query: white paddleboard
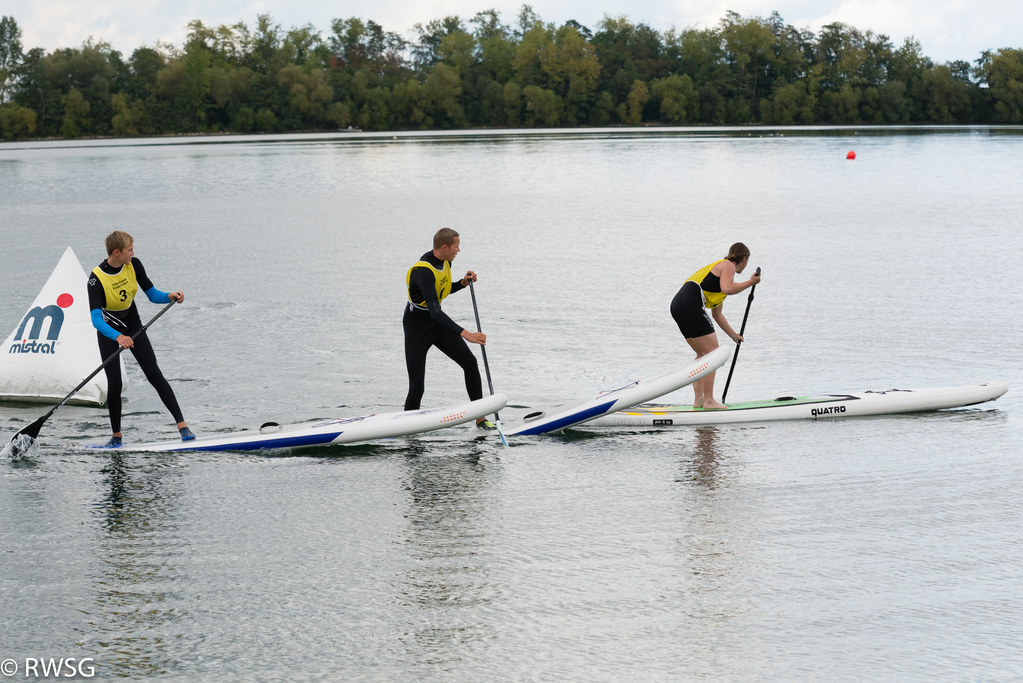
825, 406
330, 432
608, 402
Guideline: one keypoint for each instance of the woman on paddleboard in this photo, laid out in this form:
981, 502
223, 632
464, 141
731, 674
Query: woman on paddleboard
112, 288
710, 285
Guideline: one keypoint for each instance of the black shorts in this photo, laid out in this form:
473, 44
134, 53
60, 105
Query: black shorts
688, 311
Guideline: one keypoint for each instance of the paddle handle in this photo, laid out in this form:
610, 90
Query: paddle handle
742, 331
479, 328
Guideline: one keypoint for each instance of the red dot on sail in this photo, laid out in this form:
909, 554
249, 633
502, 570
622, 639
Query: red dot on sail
65, 300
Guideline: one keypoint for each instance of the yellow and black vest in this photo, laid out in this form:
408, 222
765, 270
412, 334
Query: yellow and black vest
441, 279
119, 288
711, 299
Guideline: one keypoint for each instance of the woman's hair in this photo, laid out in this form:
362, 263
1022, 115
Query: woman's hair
118, 239
444, 237
737, 252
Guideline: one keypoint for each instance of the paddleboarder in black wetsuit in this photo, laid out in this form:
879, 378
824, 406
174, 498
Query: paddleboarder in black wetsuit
112, 288
425, 324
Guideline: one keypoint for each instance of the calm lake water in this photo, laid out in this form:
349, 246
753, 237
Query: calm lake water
880, 549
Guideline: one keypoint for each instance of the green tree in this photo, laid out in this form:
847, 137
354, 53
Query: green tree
1003, 73
458, 49
529, 55
195, 84
302, 45
444, 88
908, 64
10, 54
76, 109
145, 63
513, 104
701, 55
948, 98
262, 45
496, 48
790, 103
638, 97
244, 120
626, 53
130, 117
354, 45
411, 105
426, 50
309, 94
264, 121
16, 121
749, 51
677, 98
542, 107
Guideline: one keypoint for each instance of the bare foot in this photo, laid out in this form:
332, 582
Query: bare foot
698, 405
714, 405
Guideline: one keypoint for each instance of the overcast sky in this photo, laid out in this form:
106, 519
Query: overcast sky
946, 29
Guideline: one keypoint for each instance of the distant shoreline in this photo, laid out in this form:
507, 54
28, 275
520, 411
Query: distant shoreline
539, 132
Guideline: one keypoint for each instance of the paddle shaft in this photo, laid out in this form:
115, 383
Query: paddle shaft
479, 328
39, 423
742, 331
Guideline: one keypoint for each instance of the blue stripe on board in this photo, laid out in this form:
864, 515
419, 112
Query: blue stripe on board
569, 420
267, 444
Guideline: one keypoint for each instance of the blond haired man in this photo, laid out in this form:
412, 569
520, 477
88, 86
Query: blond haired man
112, 288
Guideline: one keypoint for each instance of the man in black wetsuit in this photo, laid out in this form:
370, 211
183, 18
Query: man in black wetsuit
429, 282
112, 288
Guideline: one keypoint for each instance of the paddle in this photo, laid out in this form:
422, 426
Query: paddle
742, 331
32, 431
486, 365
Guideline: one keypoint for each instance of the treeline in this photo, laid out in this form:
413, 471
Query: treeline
484, 73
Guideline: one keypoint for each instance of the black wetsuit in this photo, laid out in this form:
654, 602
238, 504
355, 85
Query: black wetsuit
433, 327
128, 322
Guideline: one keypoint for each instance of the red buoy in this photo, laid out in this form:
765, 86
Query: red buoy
850, 155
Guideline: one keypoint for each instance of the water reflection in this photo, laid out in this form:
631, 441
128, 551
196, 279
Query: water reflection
713, 544
133, 607
447, 586
705, 462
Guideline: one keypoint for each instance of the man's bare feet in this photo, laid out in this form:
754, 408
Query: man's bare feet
714, 405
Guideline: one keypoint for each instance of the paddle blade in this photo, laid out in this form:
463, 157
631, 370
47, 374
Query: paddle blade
500, 431
32, 431
18, 447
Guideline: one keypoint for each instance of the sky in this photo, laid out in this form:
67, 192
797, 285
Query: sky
947, 29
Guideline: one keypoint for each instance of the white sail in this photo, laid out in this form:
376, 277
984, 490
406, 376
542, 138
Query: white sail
53, 346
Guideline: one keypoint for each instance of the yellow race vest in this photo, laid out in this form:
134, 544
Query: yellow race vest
441, 278
120, 289
711, 299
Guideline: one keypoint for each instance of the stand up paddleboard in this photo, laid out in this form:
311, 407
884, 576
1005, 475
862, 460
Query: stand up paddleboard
630, 395
272, 436
826, 406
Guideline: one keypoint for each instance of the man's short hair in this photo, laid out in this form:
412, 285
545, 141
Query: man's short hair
118, 239
445, 237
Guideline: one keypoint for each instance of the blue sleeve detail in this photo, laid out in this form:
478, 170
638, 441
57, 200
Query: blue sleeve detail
157, 297
102, 326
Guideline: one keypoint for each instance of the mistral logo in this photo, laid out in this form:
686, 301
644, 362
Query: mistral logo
32, 327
